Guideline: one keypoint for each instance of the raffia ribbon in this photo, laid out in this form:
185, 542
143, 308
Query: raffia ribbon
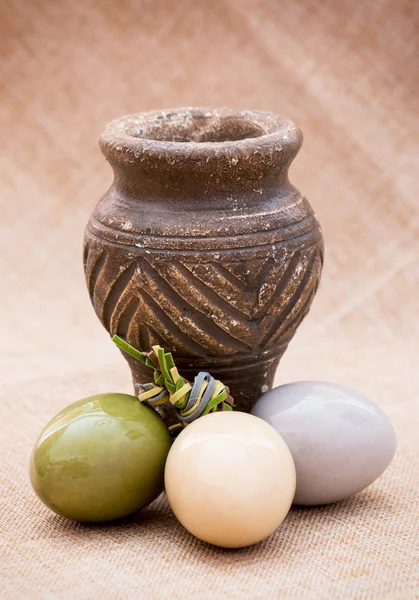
190, 400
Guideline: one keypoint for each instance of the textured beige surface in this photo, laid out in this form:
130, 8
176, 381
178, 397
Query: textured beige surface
347, 73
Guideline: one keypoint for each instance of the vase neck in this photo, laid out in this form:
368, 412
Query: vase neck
207, 155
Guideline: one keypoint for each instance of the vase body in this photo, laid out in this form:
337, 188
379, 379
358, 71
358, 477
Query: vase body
202, 245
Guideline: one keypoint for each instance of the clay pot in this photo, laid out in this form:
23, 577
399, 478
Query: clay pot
202, 245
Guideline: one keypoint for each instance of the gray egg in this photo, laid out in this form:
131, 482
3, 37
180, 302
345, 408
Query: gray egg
340, 441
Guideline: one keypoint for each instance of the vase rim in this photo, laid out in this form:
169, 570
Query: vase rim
199, 135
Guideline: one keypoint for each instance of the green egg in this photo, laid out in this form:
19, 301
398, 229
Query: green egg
101, 458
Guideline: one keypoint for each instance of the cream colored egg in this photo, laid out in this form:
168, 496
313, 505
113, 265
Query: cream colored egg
230, 479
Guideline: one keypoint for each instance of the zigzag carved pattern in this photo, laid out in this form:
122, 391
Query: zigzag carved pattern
198, 309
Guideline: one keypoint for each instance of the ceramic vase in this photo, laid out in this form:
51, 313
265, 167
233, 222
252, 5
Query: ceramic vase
202, 245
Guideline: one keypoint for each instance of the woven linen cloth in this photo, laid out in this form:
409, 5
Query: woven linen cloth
347, 73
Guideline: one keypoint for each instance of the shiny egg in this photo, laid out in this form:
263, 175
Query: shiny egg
230, 479
101, 458
340, 441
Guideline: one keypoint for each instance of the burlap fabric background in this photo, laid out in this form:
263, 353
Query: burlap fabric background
347, 73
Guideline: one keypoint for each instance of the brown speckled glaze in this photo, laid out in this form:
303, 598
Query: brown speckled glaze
202, 244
